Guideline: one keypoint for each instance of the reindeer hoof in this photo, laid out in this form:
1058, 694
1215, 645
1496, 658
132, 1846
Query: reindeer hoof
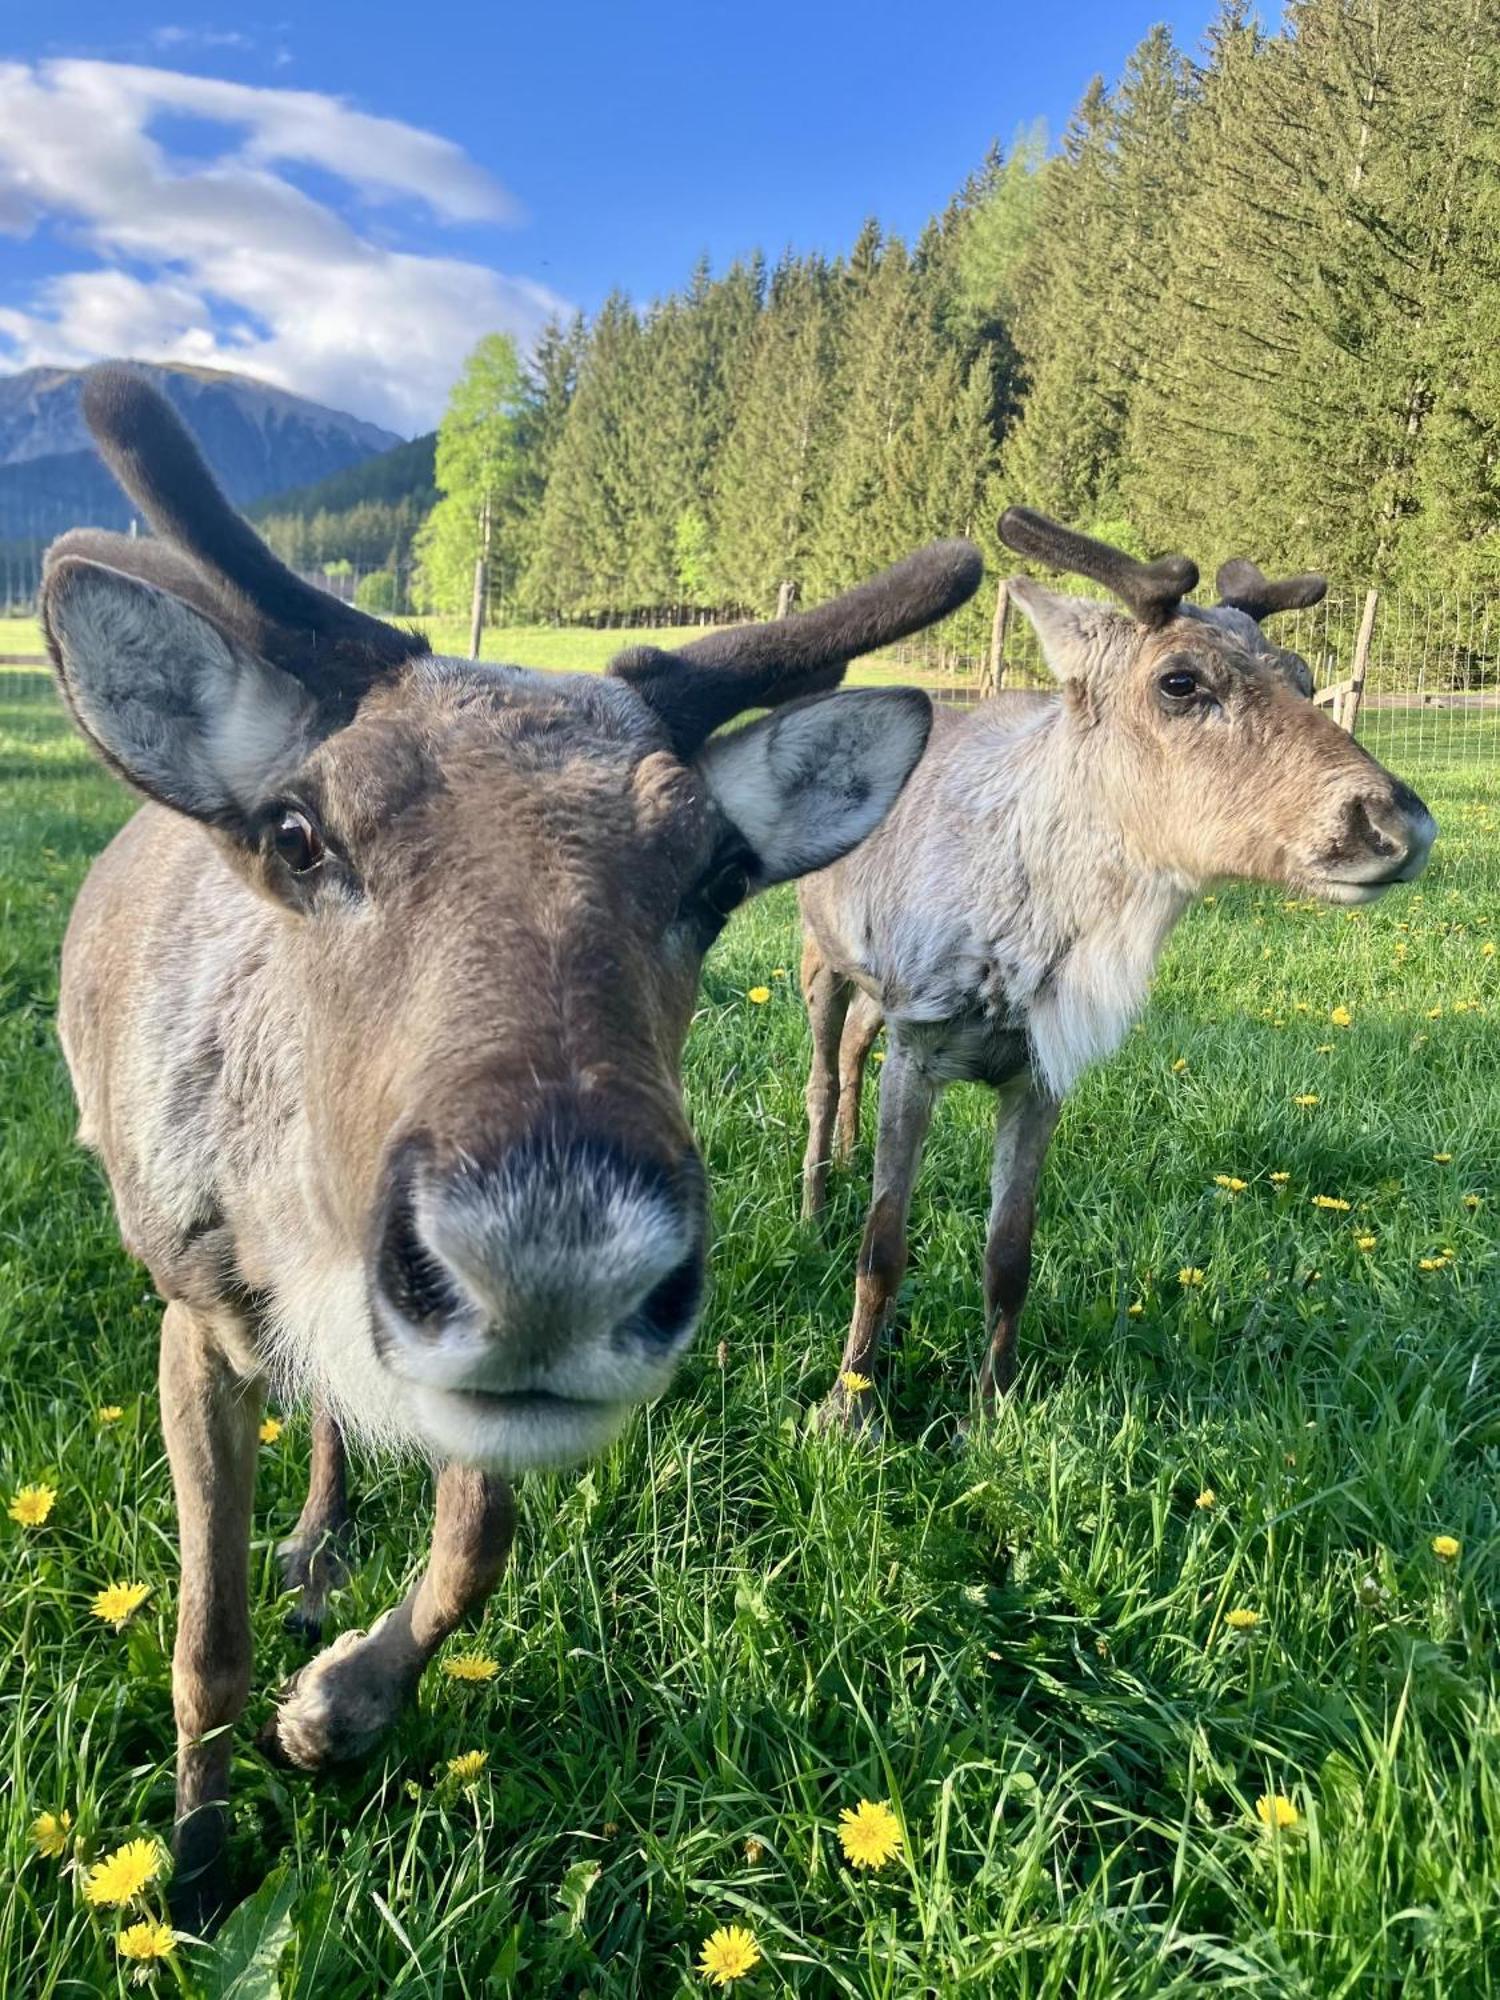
852, 1411
314, 1567
337, 1707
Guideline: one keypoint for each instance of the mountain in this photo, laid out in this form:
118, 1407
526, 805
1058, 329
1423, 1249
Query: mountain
258, 439
405, 472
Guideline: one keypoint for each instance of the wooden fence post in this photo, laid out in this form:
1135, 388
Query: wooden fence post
990, 682
786, 597
1356, 694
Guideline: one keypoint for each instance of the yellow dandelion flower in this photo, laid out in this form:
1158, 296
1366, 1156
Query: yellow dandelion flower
1189, 1275
471, 1667
1445, 1547
120, 1877
1279, 1179
1487, 949
109, 1413
1231, 1182
1364, 1242
469, 1767
778, 972
1333, 1201
32, 1505
869, 1834
728, 1955
1324, 1049
1241, 1619
114, 1605
1207, 1499
1341, 1017
270, 1430
1434, 1013
1135, 1309
1433, 1263
1209, 901
1471, 1201
145, 1940
1180, 1065
1276, 1811
1442, 1159
1307, 1100
854, 1382
759, 995
50, 1830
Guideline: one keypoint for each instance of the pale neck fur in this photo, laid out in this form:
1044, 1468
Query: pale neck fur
1082, 930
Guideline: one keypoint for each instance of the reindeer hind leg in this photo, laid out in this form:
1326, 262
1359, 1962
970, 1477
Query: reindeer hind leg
312, 1557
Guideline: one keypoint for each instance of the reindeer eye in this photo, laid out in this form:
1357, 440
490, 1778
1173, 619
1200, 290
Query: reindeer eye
725, 889
297, 842
1178, 684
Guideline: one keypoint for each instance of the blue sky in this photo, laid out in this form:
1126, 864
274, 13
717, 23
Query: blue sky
343, 197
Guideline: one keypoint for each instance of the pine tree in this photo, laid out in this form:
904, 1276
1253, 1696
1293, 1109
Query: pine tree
581, 557
769, 475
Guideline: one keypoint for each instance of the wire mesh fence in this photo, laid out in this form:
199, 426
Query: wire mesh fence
1416, 675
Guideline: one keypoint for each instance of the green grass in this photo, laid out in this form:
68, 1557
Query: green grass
575, 649
728, 1629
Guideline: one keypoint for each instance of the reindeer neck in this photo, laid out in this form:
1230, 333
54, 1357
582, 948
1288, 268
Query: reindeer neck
1098, 914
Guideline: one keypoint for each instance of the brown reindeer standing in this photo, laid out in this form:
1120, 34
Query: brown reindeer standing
1005, 919
375, 1015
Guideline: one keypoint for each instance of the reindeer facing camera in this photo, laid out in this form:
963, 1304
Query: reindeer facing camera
375, 1015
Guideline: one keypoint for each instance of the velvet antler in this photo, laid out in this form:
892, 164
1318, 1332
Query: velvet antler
701, 685
211, 556
1242, 587
1152, 590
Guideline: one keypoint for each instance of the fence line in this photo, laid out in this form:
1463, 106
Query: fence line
1416, 675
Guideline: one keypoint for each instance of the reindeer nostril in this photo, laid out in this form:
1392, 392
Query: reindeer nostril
669, 1307
412, 1279
1366, 832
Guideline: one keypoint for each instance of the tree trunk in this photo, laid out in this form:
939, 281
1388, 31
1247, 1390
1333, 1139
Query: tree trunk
481, 582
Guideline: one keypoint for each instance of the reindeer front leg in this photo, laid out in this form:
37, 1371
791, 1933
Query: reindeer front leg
210, 1409
345, 1699
906, 1100
1024, 1131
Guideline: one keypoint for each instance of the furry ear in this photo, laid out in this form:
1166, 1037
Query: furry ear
807, 783
1080, 639
180, 710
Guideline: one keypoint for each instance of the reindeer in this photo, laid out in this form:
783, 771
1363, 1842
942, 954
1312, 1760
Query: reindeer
375, 1012
1005, 919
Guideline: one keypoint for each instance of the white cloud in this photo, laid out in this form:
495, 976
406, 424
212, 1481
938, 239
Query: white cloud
224, 260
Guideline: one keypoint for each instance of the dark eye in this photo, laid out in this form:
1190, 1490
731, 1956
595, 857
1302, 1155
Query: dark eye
1178, 684
297, 842
725, 889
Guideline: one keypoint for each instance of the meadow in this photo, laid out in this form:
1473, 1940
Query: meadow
1185, 1585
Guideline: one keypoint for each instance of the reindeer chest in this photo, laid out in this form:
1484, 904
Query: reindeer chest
972, 1046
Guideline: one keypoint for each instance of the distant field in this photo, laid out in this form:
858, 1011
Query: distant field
564, 649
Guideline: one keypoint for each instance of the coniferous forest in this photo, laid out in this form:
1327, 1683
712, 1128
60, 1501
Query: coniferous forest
1248, 304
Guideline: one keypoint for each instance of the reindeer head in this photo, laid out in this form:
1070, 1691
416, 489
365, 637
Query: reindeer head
485, 895
1217, 762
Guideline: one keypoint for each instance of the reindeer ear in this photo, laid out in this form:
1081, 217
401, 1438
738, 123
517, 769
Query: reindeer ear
179, 709
1079, 638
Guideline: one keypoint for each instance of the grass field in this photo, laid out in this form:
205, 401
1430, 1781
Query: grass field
575, 649
728, 1630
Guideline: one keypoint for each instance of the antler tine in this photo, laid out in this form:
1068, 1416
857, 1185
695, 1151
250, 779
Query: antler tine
719, 676
1152, 590
1243, 587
